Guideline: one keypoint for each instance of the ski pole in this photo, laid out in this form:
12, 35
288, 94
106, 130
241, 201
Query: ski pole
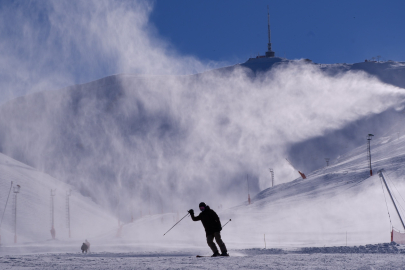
226, 223
176, 223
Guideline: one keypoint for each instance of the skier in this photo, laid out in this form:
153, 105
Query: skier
85, 246
212, 226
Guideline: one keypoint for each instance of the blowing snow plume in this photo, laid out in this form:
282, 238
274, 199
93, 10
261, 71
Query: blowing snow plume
163, 143
48, 45
178, 140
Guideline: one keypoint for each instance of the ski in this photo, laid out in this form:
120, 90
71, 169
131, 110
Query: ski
202, 256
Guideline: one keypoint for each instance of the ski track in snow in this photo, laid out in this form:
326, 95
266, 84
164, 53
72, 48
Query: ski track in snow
380, 256
187, 261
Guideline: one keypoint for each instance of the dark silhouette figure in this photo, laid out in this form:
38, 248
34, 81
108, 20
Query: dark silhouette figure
212, 226
85, 246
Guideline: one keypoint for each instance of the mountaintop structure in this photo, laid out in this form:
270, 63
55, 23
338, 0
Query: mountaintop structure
269, 52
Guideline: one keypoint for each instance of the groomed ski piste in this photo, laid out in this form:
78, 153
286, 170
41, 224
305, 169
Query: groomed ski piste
337, 218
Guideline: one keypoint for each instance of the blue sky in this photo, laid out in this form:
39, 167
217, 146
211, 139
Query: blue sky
325, 31
48, 44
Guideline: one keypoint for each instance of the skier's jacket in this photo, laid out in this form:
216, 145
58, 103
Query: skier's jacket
209, 219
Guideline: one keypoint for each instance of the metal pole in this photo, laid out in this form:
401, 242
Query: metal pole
226, 223
392, 199
52, 214
247, 180
52, 210
268, 26
69, 216
369, 152
16, 190
176, 224
149, 201
15, 218
272, 177
5, 207
68, 193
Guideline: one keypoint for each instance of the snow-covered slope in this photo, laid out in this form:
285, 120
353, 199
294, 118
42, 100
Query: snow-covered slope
333, 203
33, 208
336, 205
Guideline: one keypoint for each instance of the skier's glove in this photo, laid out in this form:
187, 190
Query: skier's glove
191, 211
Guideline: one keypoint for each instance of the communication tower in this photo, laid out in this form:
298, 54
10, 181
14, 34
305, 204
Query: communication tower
269, 52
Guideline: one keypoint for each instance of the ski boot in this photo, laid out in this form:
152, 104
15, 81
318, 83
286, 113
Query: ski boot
224, 254
216, 254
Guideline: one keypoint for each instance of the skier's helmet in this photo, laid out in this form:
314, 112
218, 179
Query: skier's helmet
202, 206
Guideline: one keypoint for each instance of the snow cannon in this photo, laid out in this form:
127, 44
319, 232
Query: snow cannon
301, 174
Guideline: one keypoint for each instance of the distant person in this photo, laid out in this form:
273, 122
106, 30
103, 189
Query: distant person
212, 226
85, 246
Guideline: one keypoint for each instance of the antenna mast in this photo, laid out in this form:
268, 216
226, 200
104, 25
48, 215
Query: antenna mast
268, 27
269, 52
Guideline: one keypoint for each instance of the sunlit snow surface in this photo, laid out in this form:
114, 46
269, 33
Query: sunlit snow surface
245, 259
307, 225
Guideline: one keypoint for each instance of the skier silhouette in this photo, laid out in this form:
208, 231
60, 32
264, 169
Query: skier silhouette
212, 226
